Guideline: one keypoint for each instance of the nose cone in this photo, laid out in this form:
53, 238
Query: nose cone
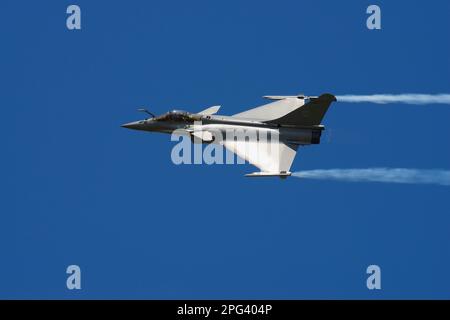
136, 125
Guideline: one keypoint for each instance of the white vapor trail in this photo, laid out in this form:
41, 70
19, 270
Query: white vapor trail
408, 98
389, 175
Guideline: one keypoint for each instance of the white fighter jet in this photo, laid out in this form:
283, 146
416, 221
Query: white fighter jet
271, 135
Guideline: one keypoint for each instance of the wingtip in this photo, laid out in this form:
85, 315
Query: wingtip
283, 174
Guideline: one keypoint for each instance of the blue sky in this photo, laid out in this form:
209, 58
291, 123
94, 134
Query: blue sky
78, 189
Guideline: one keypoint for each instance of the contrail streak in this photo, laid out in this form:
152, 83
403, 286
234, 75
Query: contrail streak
389, 175
408, 98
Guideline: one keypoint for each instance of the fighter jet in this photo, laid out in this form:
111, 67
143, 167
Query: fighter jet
293, 120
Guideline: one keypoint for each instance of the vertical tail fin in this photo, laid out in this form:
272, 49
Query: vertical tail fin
310, 114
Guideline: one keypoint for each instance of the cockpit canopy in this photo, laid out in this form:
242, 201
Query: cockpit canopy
176, 115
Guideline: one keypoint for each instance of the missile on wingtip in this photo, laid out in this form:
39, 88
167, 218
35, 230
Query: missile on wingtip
282, 174
300, 96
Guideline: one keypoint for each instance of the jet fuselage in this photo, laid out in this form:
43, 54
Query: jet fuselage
187, 124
